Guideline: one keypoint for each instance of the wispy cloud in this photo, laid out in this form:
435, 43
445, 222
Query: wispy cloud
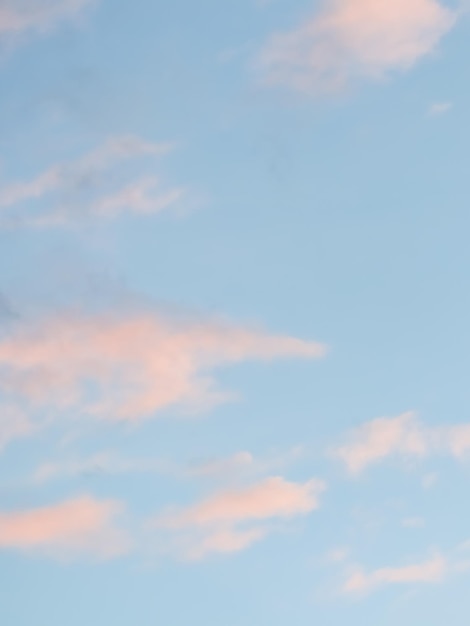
232, 520
355, 39
14, 424
128, 367
439, 108
403, 436
79, 528
18, 17
242, 465
431, 571
97, 185
101, 463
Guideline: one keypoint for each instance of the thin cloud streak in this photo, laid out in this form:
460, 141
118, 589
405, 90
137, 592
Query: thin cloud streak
87, 188
232, 520
432, 571
349, 40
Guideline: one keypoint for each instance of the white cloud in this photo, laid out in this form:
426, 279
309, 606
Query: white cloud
440, 108
355, 39
97, 185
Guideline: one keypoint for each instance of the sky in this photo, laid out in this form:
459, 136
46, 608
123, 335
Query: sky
234, 308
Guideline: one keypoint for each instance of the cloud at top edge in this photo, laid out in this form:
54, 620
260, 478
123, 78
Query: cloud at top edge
23, 17
349, 40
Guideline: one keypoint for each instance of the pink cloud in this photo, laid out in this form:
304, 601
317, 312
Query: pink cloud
402, 436
128, 368
431, 571
350, 39
381, 438
72, 529
274, 497
229, 521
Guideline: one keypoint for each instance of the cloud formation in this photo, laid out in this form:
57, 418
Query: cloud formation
402, 436
79, 528
22, 16
128, 367
355, 39
98, 185
432, 571
232, 520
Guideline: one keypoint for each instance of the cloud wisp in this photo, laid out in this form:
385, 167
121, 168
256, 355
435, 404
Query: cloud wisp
433, 570
232, 520
127, 367
99, 185
75, 529
350, 40
402, 436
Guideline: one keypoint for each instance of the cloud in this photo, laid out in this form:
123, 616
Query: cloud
440, 108
231, 520
355, 39
243, 464
432, 571
413, 522
22, 16
403, 436
77, 528
127, 367
98, 185
100, 463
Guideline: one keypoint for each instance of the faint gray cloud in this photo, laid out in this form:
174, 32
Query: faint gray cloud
104, 183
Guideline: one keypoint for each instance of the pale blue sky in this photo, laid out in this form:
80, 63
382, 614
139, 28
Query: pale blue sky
234, 341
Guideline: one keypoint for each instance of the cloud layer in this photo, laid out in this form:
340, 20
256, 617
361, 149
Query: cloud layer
83, 527
232, 520
104, 183
355, 39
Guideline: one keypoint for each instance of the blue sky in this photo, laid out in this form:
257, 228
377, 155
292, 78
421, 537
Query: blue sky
234, 313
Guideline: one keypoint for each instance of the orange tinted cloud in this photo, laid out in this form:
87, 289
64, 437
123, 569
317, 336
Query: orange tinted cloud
75, 528
128, 368
351, 39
